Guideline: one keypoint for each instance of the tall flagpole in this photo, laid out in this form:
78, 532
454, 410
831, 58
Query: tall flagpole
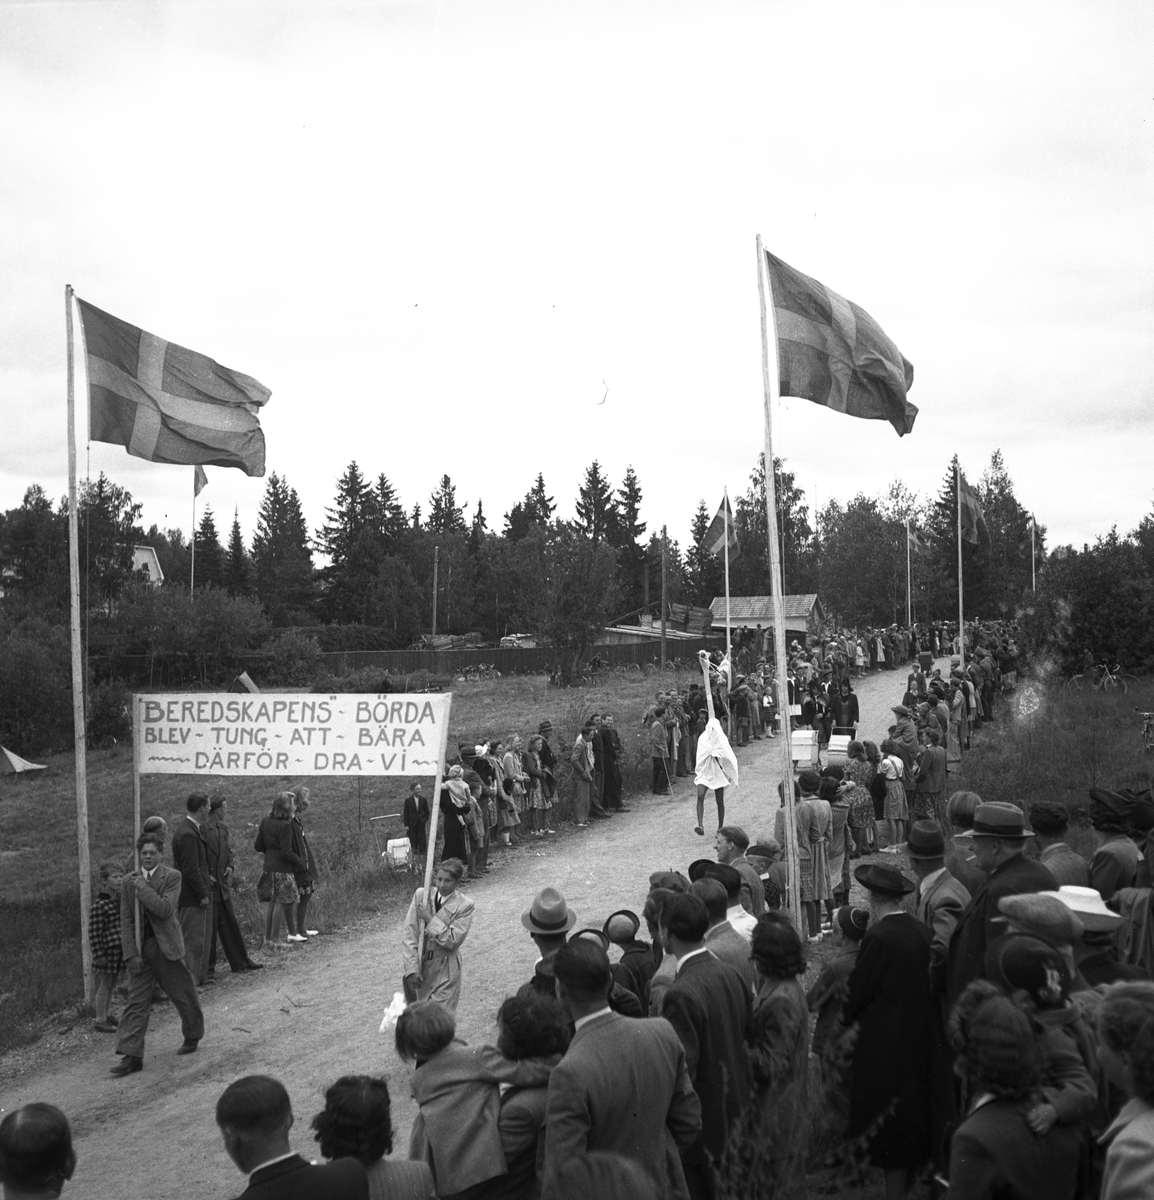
725, 527
78, 723
909, 585
192, 567
771, 382
1033, 567
961, 614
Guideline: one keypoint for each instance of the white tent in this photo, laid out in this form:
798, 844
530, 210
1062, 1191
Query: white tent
13, 764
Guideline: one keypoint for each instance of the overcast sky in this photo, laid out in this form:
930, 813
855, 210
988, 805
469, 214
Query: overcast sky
440, 231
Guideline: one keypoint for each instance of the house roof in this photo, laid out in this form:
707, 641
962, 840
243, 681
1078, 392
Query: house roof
759, 609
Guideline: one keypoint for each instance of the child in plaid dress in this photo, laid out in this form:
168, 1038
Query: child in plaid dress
104, 936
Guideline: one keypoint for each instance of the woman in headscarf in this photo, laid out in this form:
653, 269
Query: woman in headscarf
1115, 862
779, 1055
456, 814
514, 769
434, 973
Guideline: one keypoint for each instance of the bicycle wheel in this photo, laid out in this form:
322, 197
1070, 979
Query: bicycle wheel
1075, 683
1129, 680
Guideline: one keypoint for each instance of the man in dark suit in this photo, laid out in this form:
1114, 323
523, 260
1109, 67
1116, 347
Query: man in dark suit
190, 858
222, 919
721, 939
157, 959
255, 1116
610, 748
622, 1087
710, 1007
999, 838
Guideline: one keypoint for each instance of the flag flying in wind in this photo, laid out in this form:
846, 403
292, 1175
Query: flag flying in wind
713, 540
168, 404
973, 518
199, 481
918, 544
831, 351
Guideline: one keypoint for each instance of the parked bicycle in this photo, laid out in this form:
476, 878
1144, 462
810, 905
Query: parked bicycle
1106, 679
1147, 729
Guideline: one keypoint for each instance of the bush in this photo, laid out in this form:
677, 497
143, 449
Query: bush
35, 688
109, 715
294, 658
332, 638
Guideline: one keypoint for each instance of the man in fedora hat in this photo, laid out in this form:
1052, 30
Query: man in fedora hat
999, 838
941, 898
900, 1089
548, 920
1096, 945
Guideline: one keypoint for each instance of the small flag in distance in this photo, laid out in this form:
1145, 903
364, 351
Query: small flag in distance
199, 480
918, 544
713, 540
972, 517
165, 403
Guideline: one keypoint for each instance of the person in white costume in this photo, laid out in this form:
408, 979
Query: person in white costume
716, 767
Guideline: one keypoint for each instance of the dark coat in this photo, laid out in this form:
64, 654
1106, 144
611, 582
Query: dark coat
899, 1054
302, 849
220, 857
296, 1178
993, 1153
190, 858
274, 839
977, 928
635, 969
710, 1007
844, 710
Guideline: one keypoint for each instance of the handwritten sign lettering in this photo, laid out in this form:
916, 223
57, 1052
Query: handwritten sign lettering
278, 734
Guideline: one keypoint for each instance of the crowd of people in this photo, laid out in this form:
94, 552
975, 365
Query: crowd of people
155, 929
982, 1023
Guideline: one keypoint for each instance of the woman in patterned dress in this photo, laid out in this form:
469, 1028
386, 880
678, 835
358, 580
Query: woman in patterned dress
859, 772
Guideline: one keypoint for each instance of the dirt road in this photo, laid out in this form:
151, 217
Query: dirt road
313, 1014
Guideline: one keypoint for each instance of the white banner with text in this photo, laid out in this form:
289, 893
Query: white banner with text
274, 733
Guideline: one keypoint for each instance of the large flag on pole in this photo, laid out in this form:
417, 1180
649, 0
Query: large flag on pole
199, 481
713, 540
831, 351
972, 516
168, 404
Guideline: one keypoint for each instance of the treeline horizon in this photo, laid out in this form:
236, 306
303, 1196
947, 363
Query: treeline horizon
370, 563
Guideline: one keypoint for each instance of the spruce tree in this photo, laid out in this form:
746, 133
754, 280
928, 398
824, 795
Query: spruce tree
209, 553
596, 507
238, 568
445, 516
281, 556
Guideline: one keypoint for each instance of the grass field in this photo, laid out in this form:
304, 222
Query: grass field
40, 972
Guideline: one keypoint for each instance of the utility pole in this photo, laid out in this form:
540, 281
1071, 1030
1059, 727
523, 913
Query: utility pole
663, 543
436, 553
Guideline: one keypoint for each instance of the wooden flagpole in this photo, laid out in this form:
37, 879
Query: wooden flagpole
961, 611
909, 585
192, 565
137, 742
79, 738
434, 813
1033, 566
771, 381
725, 528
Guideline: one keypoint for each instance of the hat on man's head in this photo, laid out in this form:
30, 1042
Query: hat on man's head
899, 710
884, 880
764, 850
809, 781
926, 840
549, 914
674, 881
997, 819
1088, 906
1040, 914
1141, 811
545, 727
853, 921
729, 877
622, 926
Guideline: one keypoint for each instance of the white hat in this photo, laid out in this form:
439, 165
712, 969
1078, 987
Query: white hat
1089, 905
